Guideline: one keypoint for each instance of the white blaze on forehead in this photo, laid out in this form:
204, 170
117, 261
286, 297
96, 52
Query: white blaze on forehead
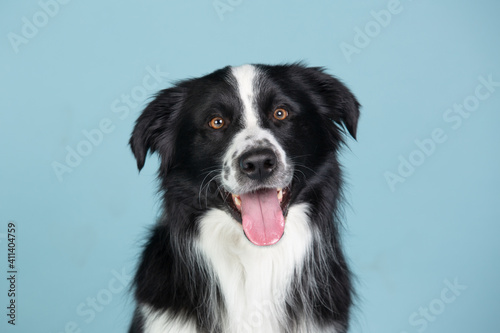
251, 136
246, 76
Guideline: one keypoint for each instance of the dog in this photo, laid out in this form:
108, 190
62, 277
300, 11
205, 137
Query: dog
251, 186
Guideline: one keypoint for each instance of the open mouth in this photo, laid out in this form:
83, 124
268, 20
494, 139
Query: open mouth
262, 213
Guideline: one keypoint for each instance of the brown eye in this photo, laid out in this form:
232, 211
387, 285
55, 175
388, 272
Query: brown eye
216, 123
280, 114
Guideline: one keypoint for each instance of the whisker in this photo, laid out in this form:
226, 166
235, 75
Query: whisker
207, 188
208, 183
299, 156
307, 168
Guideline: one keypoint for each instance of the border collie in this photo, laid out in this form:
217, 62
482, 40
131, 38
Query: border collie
248, 240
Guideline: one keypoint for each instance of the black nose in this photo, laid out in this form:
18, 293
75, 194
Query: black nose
258, 164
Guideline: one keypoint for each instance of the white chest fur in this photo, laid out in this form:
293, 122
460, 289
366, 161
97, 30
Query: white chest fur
254, 279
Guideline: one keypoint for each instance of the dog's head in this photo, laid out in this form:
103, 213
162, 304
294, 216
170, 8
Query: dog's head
251, 140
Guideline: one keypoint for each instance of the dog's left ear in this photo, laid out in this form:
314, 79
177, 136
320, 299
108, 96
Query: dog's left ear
155, 129
342, 106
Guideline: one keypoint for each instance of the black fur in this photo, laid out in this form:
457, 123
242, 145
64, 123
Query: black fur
174, 125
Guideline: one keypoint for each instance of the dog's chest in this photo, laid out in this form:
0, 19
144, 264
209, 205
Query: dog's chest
254, 280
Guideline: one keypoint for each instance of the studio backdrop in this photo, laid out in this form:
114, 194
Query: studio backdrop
421, 219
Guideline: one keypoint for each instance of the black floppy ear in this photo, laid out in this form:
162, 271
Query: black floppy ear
342, 105
155, 129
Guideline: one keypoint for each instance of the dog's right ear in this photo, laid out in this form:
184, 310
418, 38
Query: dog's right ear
155, 129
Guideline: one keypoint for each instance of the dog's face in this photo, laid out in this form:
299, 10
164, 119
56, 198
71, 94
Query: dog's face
250, 140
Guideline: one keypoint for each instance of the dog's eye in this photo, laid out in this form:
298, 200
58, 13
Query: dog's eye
216, 123
280, 114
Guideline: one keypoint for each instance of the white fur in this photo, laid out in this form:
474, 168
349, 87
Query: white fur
250, 136
164, 322
254, 279
245, 76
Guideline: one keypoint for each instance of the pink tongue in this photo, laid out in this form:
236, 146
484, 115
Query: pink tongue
263, 220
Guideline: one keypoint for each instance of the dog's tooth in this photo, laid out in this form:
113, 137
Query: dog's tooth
280, 194
236, 200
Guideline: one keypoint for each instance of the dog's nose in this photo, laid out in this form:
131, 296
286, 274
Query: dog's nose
258, 164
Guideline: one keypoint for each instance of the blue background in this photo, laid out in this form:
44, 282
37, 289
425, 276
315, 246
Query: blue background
78, 233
